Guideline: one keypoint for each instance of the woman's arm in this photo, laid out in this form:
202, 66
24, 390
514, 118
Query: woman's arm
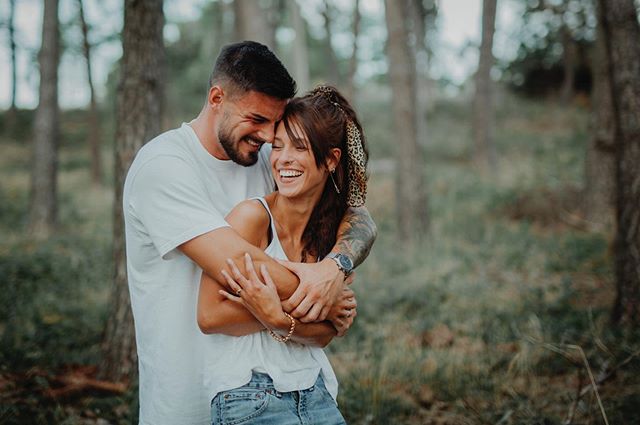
218, 314
221, 312
260, 297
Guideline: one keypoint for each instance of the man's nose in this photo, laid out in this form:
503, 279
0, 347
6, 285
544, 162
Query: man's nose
267, 132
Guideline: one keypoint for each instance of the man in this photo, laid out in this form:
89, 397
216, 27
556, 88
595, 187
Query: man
177, 192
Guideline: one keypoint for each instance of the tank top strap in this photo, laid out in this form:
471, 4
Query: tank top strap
272, 224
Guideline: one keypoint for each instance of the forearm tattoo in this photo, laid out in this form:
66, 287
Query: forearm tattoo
356, 234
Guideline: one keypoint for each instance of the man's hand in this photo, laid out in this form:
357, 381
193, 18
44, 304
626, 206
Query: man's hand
320, 286
343, 311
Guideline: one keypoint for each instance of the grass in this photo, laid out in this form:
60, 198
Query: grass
460, 330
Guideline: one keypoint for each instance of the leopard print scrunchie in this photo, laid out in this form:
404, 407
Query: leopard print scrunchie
357, 160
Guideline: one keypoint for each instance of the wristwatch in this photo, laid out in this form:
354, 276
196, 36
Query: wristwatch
344, 263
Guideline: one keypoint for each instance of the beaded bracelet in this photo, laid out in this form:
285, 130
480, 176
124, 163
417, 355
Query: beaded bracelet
284, 339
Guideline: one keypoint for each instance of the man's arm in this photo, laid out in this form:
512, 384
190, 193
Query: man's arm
356, 235
322, 283
226, 314
211, 250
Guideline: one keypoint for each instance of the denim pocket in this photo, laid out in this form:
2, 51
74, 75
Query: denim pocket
239, 405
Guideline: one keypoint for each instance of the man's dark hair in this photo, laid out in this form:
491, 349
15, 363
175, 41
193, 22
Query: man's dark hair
250, 66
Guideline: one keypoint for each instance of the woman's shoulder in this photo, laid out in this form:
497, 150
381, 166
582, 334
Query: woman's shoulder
251, 220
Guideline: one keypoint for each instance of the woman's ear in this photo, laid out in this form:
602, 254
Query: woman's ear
334, 158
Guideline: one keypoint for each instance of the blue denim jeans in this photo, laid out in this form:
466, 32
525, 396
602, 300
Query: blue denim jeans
259, 403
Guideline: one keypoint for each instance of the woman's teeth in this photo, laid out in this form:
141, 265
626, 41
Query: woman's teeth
290, 173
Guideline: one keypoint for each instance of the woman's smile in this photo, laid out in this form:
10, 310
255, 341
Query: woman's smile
288, 173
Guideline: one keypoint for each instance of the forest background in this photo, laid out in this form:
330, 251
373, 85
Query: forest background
504, 285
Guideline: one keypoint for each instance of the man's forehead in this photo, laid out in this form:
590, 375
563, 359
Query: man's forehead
263, 105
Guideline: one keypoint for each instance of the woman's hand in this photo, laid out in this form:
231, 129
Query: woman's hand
260, 298
343, 311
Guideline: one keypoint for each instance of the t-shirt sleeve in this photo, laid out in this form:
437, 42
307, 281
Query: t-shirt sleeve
172, 204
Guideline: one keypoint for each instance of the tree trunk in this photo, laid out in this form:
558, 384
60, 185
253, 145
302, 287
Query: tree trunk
622, 32
251, 24
333, 73
350, 91
11, 117
273, 12
599, 190
95, 138
300, 49
419, 14
569, 63
138, 119
43, 206
483, 108
411, 197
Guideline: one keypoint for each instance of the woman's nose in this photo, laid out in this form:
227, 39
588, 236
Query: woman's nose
286, 155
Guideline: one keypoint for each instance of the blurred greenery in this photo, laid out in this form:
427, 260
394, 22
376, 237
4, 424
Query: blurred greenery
462, 331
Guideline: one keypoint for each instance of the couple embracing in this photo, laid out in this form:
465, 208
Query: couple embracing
236, 283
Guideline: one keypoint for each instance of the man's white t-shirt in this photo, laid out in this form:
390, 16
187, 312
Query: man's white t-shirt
174, 191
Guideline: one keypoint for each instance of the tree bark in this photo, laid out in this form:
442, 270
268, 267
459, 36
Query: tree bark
620, 22
483, 108
12, 47
411, 197
353, 61
599, 190
138, 119
273, 13
569, 64
300, 49
43, 205
420, 14
95, 138
251, 24
333, 73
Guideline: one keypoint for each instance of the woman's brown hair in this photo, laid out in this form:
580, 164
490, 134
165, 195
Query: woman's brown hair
323, 115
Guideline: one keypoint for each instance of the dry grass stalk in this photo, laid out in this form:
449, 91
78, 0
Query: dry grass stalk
556, 349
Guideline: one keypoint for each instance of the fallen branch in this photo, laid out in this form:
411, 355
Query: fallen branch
78, 382
604, 377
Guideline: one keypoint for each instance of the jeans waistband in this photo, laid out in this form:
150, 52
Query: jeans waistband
262, 380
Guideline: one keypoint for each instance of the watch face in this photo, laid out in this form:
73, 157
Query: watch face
345, 262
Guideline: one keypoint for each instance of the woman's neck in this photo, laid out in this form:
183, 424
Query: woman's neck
291, 216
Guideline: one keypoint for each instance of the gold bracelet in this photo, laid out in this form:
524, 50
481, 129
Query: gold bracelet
284, 339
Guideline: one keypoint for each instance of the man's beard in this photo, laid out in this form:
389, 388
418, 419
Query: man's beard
231, 149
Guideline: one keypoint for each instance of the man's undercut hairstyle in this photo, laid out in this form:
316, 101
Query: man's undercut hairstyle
250, 66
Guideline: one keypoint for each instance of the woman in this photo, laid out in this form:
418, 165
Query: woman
277, 372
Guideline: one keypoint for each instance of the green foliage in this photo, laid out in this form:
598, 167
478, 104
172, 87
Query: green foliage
537, 69
459, 331
37, 325
19, 126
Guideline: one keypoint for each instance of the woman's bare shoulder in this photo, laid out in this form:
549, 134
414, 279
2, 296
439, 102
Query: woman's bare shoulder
251, 220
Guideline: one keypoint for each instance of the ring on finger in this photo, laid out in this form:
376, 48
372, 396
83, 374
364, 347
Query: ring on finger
349, 313
238, 292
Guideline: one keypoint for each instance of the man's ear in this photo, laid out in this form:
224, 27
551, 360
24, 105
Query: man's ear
215, 97
334, 158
